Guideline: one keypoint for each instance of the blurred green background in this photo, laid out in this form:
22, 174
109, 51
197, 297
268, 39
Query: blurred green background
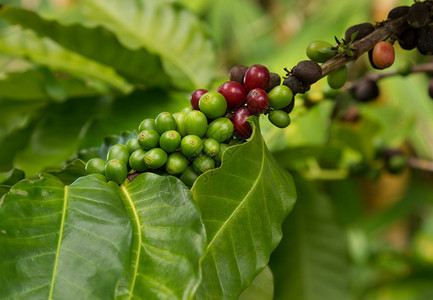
73, 72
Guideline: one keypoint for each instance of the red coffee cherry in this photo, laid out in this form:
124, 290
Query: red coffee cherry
383, 55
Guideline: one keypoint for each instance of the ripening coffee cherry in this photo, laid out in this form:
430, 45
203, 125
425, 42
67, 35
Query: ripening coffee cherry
211, 147
234, 93
220, 129
155, 158
191, 145
257, 101
241, 126
383, 55
274, 80
148, 139
188, 176
179, 117
307, 71
115, 170
237, 73
170, 141
176, 163
418, 15
95, 166
213, 105
320, 51
136, 160
280, 96
195, 97
203, 163
132, 145
148, 123
336, 79
366, 90
196, 123
164, 122
279, 118
256, 76
363, 30
119, 152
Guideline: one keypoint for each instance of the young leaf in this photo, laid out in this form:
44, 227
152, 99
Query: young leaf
243, 204
168, 239
60, 241
311, 261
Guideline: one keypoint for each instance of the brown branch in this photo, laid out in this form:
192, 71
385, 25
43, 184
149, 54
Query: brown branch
384, 30
420, 164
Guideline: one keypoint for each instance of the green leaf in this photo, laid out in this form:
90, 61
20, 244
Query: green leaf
11, 177
262, 287
168, 239
62, 242
70, 172
243, 204
25, 43
312, 260
97, 43
162, 28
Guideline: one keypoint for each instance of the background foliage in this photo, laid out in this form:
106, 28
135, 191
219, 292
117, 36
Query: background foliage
72, 72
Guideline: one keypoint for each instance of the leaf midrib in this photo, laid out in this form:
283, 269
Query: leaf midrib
160, 49
62, 226
241, 203
138, 229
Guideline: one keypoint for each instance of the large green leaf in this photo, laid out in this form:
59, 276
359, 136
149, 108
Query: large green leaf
262, 287
96, 43
168, 239
162, 28
243, 204
62, 242
312, 260
25, 43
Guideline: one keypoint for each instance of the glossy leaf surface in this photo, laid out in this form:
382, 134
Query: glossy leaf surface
243, 212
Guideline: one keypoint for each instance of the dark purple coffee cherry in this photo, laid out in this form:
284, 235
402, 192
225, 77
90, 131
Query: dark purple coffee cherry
288, 109
363, 30
237, 73
398, 12
295, 85
366, 90
425, 40
418, 15
307, 71
274, 80
408, 39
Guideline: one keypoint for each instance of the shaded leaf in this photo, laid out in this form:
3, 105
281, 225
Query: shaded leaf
11, 177
167, 242
242, 212
97, 43
262, 287
51, 238
311, 262
70, 172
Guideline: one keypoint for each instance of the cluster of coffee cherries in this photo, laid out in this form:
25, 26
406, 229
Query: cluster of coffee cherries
192, 141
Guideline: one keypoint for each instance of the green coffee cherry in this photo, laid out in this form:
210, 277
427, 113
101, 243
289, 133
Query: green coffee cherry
196, 123
223, 148
179, 117
119, 152
320, 51
188, 176
211, 147
170, 141
148, 123
220, 129
95, 166
213, 105
115, 170
176, 163
203, 163
337, 78
279, 118
280, 97
148, 139
99, 176
136, 160
155, 158
191, 145
164, 122
132, 145
396, 163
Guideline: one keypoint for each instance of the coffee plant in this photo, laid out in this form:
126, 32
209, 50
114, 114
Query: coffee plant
136, 167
